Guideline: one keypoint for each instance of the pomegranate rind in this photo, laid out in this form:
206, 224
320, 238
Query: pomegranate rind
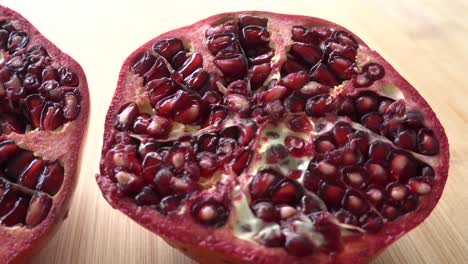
220, 245
19, 243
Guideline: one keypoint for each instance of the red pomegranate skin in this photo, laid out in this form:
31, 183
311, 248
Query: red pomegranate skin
61, 145
219, 245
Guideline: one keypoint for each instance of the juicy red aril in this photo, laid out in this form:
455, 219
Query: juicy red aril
296, 146
266, 211
374, 71
321, 74
427, 143
308, 53
285, 193
318, 105
300, 124
210, 213
298, 245
168, 47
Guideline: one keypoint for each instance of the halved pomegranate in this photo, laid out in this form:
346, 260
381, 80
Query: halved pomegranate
44, 104
256, 137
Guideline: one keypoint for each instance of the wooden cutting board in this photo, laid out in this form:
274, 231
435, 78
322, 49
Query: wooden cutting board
427, 41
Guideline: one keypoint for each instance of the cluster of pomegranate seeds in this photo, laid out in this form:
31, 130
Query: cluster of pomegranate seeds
300, 141
35, 93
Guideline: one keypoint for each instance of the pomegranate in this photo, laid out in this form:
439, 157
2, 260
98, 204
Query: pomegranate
255, 137
44, 105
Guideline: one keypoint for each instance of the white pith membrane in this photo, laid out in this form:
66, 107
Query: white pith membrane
39, 99
224, 191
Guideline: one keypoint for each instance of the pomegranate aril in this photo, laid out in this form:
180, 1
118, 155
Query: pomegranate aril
17, 214
354, 176
147, 197
345, 38
362, 81
300, 34
331, 195
234, 67
242, 161
157, 71
7, 200
377, 173
300, 124
262, 58
38, 209
419, 186
410, 203
254, 36
374, 71
129, 182
11, 123
379, 151
227, 27
298, 245
285, 192
296, 146
366, 103
390, 212
319, 105
372, 121
17, 40
276, 154
8, 149
52, 117
168, 47
17, 164
259, 73
51, 179
50, 74
218, 42
397, 192
341, 66
71, 105
312, 180
324, 144
427, 142
68, 77
262, 182
248, 20
33, 105
375, 195
159, 127
30, 175
295, 80
291, 65
210, 213
306, 52
406, 139
402, 165
321, 74
197, 79
162, 180
341, 130
276, 92
192, 63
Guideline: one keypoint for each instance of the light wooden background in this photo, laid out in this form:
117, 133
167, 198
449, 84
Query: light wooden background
427, 41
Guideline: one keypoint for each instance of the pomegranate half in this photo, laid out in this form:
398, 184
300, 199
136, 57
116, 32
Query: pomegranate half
44, 105
256, 137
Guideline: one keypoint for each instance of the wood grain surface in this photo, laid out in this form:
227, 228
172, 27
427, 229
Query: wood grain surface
426, 41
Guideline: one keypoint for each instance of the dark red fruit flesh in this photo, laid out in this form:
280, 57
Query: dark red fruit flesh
256, 137
44, 105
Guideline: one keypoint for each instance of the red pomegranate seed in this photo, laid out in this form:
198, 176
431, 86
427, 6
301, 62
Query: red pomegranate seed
50, 73
402, 166
397, 192
262, 182
294, 103
290, 66
321, 74
427, 143
259, 73
319, 105
419, 186
262, 58
331, 195
379, 151
227, 27
377, 173
406, 139
7, 200
285, 193
208, 163
362, 81
390, 212
197, 79
194, 62
234, 67
30, 175
169, 204
312, 180
306, 52
10, 123
68, 77
168, 47
341, 131
38, 209
238, 104
254, 36
296, 146
374, 71
375, 195
51, 179
355, 203
126, 117
276, 92
354, 176
410, 204
242, 161
300, 124
16, 165
341, 66
366, 103
17, 214
218, 42
372, 121
300, 34
8, 149
384, 104
276, 154
157, 71
247, 20
324, 144
210, 213
295, 80
71, 105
